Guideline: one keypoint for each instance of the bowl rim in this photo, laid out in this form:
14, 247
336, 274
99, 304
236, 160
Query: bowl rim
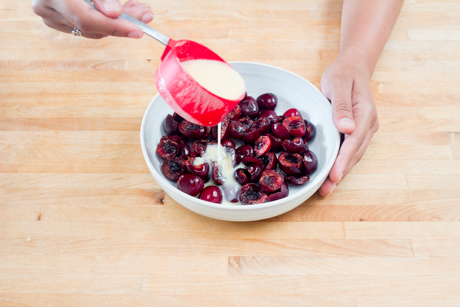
238, 207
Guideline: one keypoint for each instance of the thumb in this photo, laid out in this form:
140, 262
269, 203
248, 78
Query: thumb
342, 110
110, 8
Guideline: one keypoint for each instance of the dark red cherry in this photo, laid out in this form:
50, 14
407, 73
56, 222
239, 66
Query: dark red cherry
310, 161
295, 126
176, 137
225, 128
201, 169
242, 176
270, 181
262, 146
295, 145
281, 193
193, 131
252, 135
311, 131
237, 130
235, 113
269, 161
245, 151
170, 126
267, 101
280, 131
262, 123
296, 180
254, 167
252, 194
234, 157
279, 119
178, 118
190, 184
217, 176
276, 143
291, 163
228, 143
249, 107
292, 112
185, 150
172, 168
167, 148
212, 194
268, 114
199, 146
246, 121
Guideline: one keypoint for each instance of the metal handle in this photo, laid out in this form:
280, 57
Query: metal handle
145, 28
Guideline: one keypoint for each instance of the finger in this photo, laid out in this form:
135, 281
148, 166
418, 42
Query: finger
327, 187
110, 8
342, 109
141, 11
57, 26
88, 20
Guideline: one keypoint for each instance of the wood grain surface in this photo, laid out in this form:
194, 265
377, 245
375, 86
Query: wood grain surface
83, 223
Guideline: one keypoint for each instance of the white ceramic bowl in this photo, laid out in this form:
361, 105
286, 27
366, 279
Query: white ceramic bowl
292, 91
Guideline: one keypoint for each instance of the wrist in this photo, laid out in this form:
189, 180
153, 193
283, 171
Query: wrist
358, 59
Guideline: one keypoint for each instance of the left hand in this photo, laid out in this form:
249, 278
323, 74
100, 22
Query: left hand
347, 85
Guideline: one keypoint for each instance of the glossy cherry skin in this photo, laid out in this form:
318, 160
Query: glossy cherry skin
291, 163
249, 107
201, 170
242, 176
310, 161
225, 129
252, 135
252, 194
270, 181
212, 194
185, 150
237, 130
228, 143
281, 193
235, 113
193, 131
190, 184
170, 126
262, 123
311, 131
268, 114
262, 146
173, 168
269, 161
276, 143
295, 145
267, 101
178, 118
292, 112
167, 148
280, 131
295, 126
245, 151
296, 180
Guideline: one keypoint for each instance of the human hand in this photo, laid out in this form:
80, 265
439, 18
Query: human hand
347, 86
64, 15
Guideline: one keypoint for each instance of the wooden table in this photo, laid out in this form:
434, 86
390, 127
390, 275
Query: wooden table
83, 223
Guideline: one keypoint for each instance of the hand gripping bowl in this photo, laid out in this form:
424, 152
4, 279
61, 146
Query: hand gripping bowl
293, 92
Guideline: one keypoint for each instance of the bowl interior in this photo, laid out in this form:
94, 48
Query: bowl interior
292, 92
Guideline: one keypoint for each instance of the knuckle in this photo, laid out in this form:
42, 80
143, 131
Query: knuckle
343, 107
37, 8
83, 25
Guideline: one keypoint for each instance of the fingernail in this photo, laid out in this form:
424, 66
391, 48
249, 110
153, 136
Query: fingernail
346, 123
148, 17
340, 178
112, 5
332, 189
135, 34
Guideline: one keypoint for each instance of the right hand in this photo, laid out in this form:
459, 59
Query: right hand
65, 15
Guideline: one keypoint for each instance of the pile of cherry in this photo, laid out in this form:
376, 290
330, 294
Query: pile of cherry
263, 133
